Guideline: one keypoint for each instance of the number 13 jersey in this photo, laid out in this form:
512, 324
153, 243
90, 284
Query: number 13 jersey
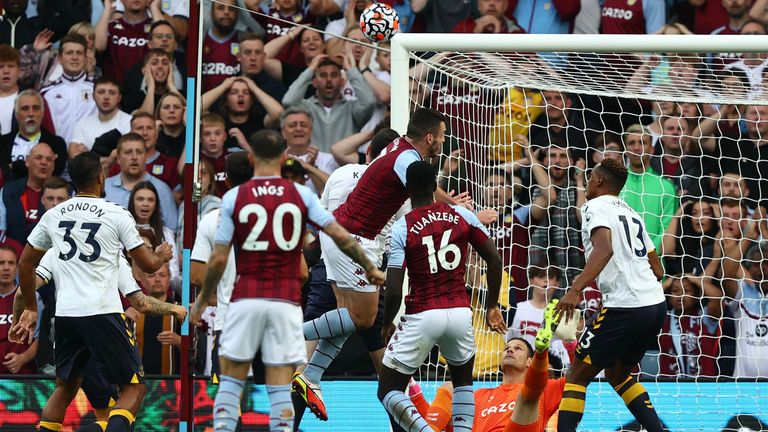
87, 235
627, 281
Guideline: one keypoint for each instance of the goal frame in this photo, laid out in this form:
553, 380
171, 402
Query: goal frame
404, 43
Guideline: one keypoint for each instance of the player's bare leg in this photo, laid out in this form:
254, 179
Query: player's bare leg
634, 395
526, 414
356, 311
123, 414
54, 410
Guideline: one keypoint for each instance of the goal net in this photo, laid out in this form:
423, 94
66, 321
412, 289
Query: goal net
691, 127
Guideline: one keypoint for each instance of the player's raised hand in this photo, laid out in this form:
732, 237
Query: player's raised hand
375, 276
165, 251
24, 331
488, 216
495, 320
463, 199
567, 305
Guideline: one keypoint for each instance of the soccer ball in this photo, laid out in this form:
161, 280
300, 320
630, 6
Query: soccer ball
379, 22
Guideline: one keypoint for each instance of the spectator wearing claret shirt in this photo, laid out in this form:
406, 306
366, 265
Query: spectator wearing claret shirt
548, 17
14, 358
221, 45
687, 346
707, 15
283, 16
638, 17
491, 19
124, 39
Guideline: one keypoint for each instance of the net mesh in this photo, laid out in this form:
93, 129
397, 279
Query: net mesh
697, 178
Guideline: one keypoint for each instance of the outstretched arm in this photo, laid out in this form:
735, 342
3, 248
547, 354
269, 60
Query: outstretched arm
152, 306
601, 253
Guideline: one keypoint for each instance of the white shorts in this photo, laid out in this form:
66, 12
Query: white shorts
273, 326
416, 334
343, 270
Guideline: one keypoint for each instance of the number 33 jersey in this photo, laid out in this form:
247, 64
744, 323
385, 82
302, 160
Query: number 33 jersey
431, 241
627, 280
87, 235
265, 218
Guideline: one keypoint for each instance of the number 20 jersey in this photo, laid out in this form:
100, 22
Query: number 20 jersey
627, 281
87, 235
432, 242
265, 218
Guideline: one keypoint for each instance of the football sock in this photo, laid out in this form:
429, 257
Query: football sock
463, 408
49, 426
281, 409
536, 377
226, 406
120, 420
326, 351
639, 403
337, 322
571, 407
439, 413
403, 411
99, 426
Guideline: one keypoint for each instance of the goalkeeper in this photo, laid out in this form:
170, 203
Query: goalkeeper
524, 401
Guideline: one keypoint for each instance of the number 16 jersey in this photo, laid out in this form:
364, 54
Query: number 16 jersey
431, 241
627, 281
87, 235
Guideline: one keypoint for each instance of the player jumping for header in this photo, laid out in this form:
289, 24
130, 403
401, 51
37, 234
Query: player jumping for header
621, 256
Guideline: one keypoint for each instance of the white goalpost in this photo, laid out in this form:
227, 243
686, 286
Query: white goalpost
702, 108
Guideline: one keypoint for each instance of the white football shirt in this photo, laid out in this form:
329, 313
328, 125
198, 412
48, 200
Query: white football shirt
48, 268
627, 281
89, 234
201, 251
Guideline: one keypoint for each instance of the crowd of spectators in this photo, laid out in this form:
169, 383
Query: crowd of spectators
109, 76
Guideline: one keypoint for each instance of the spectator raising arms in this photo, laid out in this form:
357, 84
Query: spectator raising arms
333, 117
